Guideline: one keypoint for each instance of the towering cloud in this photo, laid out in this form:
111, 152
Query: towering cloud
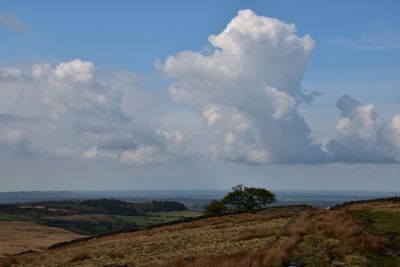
248, 90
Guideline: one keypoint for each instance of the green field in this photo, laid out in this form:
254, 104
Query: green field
8, 217
153, 218
178, 213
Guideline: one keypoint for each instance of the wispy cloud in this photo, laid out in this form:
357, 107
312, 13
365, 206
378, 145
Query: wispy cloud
356, 44
12, 23
381, 35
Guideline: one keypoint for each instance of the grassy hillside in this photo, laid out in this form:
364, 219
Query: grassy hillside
19, 236
358, 234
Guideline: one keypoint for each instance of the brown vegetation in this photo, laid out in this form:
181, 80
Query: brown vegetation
369, 243
16, 237
9, 261
339, 224
274, 254
81, 257
309, 237
200, 240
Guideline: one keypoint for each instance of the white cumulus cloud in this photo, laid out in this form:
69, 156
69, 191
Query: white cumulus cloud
80, 115
362, 135
77, 70
248, 90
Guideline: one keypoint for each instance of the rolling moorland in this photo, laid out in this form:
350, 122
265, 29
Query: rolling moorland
363, 233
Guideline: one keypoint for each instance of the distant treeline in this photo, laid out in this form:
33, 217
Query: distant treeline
91, 206
89, 226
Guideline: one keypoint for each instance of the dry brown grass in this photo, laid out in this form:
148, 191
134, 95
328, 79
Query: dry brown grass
16, 237
201, 243
273, 255
80, 257
368, 243
9, 261
339, 224
277, 254
253, 233
116, 255
321, 237
301, 225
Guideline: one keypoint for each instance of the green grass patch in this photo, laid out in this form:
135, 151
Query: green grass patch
153, 218
178, 213
379, 222
143, 221
383, 223
8, 217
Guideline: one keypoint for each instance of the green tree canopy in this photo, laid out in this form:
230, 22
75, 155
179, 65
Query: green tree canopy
215, 208
243, 198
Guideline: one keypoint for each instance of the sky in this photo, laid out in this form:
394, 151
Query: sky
130, 95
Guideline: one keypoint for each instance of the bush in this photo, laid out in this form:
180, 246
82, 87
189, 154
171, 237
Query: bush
215, 208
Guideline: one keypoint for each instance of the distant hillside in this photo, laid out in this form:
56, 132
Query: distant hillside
356, 234
93, 216
92, 206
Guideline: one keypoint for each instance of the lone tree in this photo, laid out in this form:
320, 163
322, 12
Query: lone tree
241, 199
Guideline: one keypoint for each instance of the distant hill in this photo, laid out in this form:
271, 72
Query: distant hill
94, 206
194, 199
364, 233
92, 216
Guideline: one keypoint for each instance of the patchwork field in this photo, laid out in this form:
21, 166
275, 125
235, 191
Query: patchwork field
20, 236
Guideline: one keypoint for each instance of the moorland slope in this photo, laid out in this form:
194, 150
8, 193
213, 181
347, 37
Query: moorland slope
355, 234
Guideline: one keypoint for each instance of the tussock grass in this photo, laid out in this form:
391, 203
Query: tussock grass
273, 255
253, 233
116, 255
339, 224
301, 226
9, 261
368, 243
80, 257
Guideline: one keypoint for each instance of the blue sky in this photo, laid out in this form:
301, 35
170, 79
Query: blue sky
356, 53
